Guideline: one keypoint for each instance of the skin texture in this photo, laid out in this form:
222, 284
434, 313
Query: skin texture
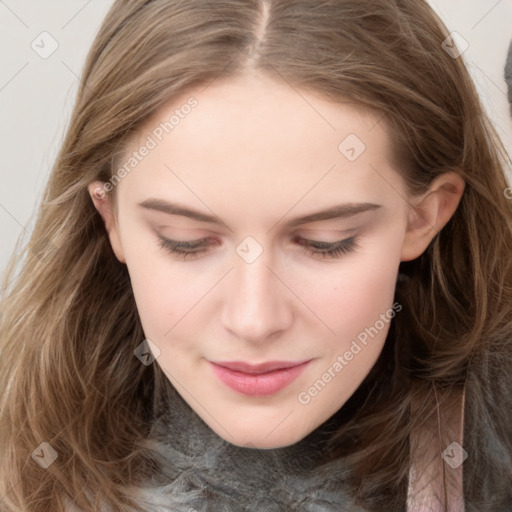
256, 153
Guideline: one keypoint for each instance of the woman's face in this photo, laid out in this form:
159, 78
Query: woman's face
297, 223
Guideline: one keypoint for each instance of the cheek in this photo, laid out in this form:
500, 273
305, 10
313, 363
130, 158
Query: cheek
354, 294
357, 305
162, 299
161, 290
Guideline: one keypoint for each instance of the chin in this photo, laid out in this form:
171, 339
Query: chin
264, 440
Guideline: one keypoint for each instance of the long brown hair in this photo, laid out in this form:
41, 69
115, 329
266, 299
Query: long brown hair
69, 322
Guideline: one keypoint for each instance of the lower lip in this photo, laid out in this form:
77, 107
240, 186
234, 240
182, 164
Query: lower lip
261, 384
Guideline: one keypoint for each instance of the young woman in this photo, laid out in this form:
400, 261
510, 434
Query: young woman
271, 271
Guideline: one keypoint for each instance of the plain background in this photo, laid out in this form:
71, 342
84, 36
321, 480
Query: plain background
37, 94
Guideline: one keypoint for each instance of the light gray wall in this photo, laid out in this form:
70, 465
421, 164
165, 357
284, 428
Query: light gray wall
37, 94
36, 98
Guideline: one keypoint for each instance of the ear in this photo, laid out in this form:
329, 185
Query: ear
430, 212
103, 203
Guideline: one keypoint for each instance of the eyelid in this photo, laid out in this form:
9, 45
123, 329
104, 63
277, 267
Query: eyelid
315, 249
189, 243
323, 243
319, 232
186, 243
205, 240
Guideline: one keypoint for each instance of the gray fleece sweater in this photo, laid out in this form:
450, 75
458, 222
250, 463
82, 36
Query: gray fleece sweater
203, 472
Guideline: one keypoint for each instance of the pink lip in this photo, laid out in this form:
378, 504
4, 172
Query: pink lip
258, 380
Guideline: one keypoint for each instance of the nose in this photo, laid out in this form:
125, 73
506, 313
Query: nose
257, 303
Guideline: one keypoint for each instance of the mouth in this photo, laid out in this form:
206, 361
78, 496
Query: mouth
261, 379
269, 366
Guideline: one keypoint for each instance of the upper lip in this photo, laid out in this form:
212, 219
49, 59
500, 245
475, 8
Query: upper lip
259, 368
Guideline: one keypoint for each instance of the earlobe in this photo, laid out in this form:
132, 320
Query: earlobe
103, 203
430, 213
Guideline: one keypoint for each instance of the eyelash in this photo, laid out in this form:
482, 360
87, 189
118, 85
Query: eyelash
327, 250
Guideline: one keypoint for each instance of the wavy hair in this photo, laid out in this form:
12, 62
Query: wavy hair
69, 322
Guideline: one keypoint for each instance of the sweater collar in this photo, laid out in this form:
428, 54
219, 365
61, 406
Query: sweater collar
200, 471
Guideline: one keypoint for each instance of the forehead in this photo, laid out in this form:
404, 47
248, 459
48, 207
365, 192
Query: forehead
263, 110
262, 137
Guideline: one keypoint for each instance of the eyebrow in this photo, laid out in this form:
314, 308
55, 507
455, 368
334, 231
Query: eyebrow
336, 212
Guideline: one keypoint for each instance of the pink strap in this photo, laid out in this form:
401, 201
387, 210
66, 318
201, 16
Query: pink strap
431, 457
